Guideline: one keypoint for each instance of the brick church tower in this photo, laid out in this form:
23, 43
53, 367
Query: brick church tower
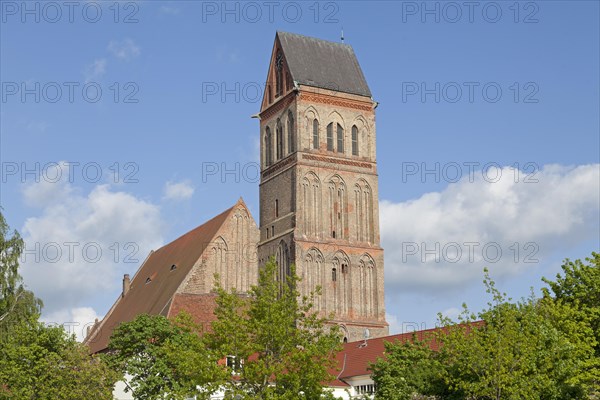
319, 206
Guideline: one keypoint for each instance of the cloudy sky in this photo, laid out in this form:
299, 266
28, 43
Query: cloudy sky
126, 124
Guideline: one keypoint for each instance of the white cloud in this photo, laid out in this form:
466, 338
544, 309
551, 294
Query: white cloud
557, 212
37, 126
452, 313
95, 70
74, 321
228, 55
178, 191
398, 327
124, 49
51, 188
81, 243
256, 149
169, 10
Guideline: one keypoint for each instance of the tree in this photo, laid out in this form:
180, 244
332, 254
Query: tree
37, 361
43, 363
17, 305
277, 347
579, 289
410, 369
163, 357
530, 349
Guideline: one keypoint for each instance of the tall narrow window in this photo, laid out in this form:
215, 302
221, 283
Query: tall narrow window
291, 134
340, 139
268, 147
287, 82
334, 274
330, 137
354, 140
279, 135
278, 74
276, 208
338, 208
315, 134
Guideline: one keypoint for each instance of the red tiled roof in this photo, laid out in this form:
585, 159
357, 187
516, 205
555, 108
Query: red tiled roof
200, 306
154, 285
355, 358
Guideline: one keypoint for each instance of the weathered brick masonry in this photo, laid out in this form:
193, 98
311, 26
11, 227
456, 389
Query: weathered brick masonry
319, 205
318, 190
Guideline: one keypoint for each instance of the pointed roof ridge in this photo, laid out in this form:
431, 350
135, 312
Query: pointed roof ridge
241, 201
322, 63
299, 35
156, 281
199, 227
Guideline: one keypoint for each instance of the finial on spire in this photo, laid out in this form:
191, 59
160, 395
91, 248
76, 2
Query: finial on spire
342, 34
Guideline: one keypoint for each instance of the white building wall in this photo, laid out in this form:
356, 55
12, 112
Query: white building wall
119, 390
348, 393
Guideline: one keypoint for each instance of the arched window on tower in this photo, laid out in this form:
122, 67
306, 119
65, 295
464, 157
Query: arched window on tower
367, 282
278, 74
279, 139
268, 147
342, 295
282, 258
287, 82
340, 139
330, 137
315, 135
354, 140
291, 133
363, 209
312, 209
313, 271
338, 210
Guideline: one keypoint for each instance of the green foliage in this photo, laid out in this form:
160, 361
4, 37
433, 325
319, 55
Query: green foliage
286, 348
522, 351
43, 363
578, 291
530, 349
17, 305
580, 288
163, 357
410, 368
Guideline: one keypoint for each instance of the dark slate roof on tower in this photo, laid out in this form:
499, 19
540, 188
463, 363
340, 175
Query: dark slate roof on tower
323, 64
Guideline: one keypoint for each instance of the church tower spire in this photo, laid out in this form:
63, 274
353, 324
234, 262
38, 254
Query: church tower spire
318, 190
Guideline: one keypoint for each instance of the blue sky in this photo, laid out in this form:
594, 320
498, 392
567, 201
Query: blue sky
501, 85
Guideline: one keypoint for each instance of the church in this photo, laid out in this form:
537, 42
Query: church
319, 206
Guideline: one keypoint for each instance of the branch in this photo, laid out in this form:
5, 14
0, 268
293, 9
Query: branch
13, 306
